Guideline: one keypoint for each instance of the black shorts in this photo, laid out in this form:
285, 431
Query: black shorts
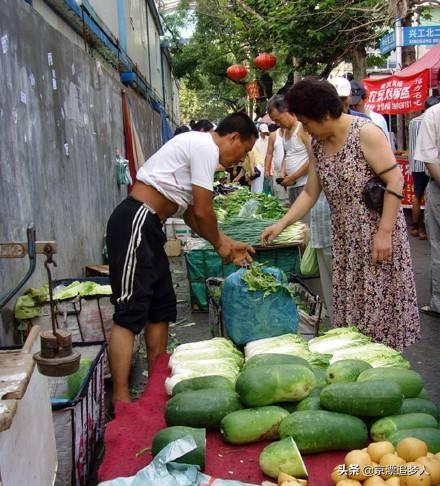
139, 269
420, 182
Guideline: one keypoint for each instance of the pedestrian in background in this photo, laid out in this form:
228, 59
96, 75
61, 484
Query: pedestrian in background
428, 151
373, 281
343, 88
256, 159
274, 161
358, 97
420, 177
203, 126
296, 144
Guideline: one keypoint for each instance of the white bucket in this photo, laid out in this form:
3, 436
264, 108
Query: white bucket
176, 229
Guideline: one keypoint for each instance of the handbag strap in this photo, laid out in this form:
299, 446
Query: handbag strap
387, 170
395, 194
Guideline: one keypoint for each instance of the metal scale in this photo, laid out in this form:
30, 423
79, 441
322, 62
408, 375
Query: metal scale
56, 357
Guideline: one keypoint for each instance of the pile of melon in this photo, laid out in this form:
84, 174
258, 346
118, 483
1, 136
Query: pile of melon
380, 464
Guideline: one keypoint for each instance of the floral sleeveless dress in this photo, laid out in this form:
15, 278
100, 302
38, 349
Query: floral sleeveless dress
380, 300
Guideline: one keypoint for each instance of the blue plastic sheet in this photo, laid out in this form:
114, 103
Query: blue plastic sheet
248, 315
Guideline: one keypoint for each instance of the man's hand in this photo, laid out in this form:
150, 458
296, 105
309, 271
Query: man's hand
267, 174
288, 181
241, 253
270, 233
382, 247
225, 250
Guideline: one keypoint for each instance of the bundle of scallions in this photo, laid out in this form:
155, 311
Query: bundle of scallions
249, 230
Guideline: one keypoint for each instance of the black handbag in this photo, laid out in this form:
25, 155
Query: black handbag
374, 191
256, 175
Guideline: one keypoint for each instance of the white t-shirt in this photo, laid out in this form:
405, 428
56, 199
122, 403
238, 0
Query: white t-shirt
380, 121
261, 147
428, 138
187, 159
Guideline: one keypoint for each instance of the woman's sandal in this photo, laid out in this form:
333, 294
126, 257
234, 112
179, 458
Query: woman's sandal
428, 311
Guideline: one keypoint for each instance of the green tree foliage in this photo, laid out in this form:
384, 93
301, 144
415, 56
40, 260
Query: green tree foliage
307, 36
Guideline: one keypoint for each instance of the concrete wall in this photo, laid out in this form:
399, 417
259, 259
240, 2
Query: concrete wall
155, 55
61, 124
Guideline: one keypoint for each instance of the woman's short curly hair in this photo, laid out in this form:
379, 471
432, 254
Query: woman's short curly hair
314, 98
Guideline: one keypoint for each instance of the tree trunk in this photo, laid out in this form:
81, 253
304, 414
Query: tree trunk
359, 62
289, 82
296, 73
266, 82
327, 70
408, 52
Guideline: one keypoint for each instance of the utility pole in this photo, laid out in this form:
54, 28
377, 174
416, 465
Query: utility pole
399, 61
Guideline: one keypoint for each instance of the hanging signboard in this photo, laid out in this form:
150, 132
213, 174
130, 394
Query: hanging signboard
422, 35
253, 90
388, 43
394, 95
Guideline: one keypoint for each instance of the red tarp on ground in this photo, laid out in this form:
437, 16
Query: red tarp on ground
407, 90
136, 424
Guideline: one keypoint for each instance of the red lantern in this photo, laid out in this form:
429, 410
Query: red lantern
236, 72
265, 61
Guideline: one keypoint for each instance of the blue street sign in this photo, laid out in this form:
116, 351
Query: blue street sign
422, 35
388, 43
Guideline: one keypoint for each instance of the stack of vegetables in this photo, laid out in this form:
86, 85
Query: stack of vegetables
266, 207
288, 393
249, 229
349, 342
216, 356
243, 215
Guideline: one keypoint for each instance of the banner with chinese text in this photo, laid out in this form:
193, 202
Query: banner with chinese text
394, 95
253, 90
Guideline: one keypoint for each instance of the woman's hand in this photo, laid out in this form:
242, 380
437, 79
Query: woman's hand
382, 246
270, 233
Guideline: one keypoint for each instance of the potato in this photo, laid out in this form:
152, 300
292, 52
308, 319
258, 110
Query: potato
411, 448
421, 478
390, 461
378, 449
432, 465
349, 482
393, 482
360, 459
337, 476
374, 481
282, 477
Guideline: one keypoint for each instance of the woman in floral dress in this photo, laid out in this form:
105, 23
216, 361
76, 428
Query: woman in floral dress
373, 281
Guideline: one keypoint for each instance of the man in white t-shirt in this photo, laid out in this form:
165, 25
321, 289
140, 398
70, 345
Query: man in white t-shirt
428, 151
176, 180
358, 96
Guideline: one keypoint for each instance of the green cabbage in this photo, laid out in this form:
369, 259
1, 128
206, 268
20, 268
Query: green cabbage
375, 354
336, 339
84, 289
183, 356
227, 365
215, 343
287, 344
25, 308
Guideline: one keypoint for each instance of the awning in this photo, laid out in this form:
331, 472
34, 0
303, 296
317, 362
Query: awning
407, 90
